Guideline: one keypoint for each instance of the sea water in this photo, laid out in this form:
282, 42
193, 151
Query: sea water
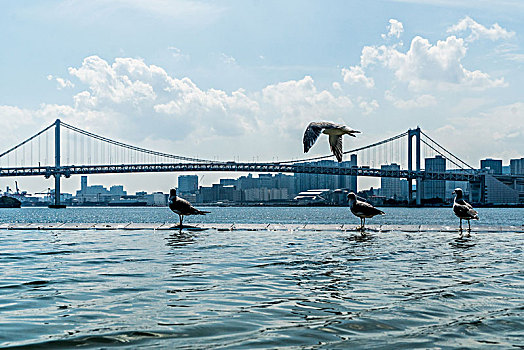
261, 289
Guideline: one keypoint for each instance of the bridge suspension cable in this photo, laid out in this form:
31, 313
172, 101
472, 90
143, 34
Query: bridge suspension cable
134, 148
27, 140
445, 150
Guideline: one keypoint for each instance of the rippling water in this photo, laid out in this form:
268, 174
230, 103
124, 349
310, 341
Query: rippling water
265, 289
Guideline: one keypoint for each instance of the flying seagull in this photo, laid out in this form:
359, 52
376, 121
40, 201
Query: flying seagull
362, 209
462, 209
182, 207
335, 132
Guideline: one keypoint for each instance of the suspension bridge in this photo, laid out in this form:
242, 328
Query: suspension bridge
63, 150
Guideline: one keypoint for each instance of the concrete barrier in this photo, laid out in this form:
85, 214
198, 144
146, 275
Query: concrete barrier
250, 227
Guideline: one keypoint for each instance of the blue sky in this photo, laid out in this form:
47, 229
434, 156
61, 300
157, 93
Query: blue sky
243, 78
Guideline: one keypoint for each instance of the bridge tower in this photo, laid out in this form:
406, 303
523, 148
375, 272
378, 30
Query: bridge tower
416, 133
57, 174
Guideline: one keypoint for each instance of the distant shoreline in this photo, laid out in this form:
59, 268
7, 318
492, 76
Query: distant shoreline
282, 205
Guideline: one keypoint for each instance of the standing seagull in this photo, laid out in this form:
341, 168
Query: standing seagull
182, 207
335, 132
362, 209
462, 209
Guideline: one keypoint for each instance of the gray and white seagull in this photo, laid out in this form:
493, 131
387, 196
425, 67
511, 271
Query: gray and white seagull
362, 209
335, 132
462, 209
182, 207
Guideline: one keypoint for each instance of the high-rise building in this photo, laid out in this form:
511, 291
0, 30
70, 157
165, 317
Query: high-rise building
391, 187
306, 182
434, 188
345, 181
516, 166
187, 184
83, 183
494, 166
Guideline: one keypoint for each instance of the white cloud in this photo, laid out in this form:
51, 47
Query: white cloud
367, 107
61, 82
426, 66
478, 31
395, 28
129, 99
178, 55
119, 83
227, 59
497, 132
293, 104
418, 102
356, 74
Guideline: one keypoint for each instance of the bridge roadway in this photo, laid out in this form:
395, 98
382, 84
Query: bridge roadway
297, 168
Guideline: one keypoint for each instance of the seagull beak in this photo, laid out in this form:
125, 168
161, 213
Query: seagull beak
454, 192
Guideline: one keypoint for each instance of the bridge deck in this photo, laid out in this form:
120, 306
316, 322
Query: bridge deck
250, 227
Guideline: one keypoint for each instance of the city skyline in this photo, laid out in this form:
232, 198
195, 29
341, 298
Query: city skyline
221, 81
494, 186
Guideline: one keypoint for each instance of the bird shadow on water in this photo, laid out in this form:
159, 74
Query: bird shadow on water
362, 237
463, 242
461, 245
180, 238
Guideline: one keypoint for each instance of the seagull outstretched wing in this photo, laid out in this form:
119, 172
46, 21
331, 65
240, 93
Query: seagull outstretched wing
311, 135
335, 143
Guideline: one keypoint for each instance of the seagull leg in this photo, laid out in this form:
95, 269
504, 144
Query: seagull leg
460, 227
469, 228
364, 224
181, 218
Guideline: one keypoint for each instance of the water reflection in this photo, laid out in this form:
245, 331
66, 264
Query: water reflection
363, 237
266, 289
180, 239
462, 243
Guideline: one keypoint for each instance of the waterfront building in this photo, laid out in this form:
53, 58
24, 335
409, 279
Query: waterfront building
285, 182
218, 193
496, 192
187, 184
228, 182
404, 189
245, 182
348, 182
98, 193
157, 199
270, 182
265, 194
117, 191
64, 197
493, 166
391, 187
83, 183
306, 182
516, 166
434, 188
452, 185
